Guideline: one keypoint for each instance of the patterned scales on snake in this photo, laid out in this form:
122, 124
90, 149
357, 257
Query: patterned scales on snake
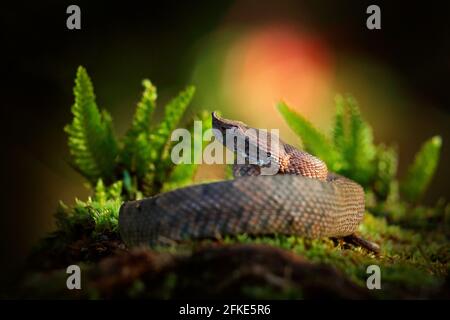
301, 199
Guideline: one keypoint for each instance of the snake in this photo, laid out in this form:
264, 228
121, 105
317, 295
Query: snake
302, 198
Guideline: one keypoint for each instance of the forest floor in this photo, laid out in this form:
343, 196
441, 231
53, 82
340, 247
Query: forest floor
413, 261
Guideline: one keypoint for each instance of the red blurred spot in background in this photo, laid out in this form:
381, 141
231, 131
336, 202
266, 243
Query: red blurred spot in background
277, 63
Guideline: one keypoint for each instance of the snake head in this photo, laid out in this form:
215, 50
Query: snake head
223, 124
253, 145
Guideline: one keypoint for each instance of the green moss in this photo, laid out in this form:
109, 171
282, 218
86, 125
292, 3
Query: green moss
409, 260
413, 262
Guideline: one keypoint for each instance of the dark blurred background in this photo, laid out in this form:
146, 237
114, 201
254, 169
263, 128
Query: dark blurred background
243, 56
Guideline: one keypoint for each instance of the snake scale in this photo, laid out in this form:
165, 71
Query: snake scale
303, 198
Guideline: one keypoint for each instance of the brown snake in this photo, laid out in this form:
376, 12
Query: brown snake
301, 199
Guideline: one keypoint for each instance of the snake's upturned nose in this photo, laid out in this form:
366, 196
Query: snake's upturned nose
216, 120
219, 122
215, 117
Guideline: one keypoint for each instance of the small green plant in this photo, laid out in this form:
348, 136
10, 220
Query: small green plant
142, 158
351, 152
101, 211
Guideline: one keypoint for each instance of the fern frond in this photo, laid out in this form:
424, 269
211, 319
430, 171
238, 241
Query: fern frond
115, 190
160, 136
340, 139
386, 170
136, 151
359, 151
145, 108
313, 140
174, 111
100, 193
183, 174
92, 143
422, 170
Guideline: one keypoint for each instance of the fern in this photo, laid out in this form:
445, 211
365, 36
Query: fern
421, 170
100, 192
91, 139
313, 140
183, 174
350, 152
386, 171
174, 110
141, 160
340, 138
358, 150
160, 141
104, 207
136, 150
103, 193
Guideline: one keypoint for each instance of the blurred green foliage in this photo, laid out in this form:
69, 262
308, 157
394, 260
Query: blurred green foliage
422, 169
351, 152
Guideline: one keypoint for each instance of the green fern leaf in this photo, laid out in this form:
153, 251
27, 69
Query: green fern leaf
160, 139
340, 138
136, 151
340, 133
92, 143
313, 140
386, 171
114, 191
100, 194
183, 174
145, 108
359, 151
422, 170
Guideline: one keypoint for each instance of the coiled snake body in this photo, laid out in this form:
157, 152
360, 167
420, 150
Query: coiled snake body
302, 199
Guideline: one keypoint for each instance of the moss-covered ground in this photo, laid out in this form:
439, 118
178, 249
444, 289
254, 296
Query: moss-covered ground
414, 262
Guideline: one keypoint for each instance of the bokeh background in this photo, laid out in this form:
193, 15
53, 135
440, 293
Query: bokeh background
243, 56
